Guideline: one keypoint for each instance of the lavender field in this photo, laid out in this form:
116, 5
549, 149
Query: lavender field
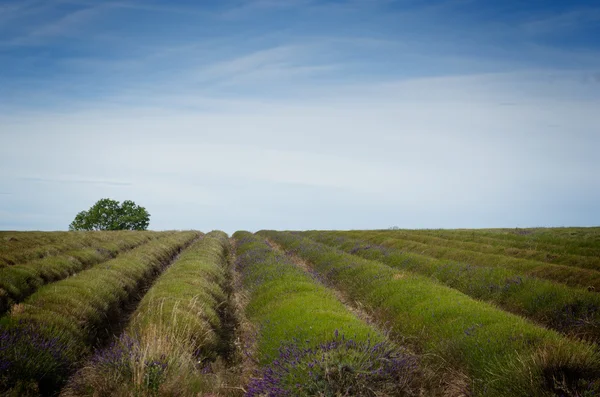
485, 312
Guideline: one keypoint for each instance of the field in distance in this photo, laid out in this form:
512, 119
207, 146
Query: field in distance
395, 312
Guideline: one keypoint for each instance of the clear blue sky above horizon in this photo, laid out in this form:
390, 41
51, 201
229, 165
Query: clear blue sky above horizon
301, 114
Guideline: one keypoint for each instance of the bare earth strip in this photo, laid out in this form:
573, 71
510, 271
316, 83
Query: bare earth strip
245, 333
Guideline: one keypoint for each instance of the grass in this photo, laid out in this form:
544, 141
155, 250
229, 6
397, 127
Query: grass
309, 343
175, 333
21, 280
571, 276
44, 338
504, 354
567, 310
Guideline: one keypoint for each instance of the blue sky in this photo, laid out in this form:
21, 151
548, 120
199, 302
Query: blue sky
301, 114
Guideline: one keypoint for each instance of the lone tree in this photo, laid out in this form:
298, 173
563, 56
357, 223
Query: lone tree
107, 214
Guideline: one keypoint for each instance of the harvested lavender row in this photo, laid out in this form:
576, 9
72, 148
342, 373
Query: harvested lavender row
19, 281
567, 310
174, 332
308, 342
504, 354
45, 337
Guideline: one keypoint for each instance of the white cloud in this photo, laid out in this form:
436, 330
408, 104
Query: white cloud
267, 62
449, 144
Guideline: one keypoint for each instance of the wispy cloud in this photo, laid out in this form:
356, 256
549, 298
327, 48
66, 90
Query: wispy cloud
253, 61
75, 181
15, 10
558, 23
248, 7
272, 64
145, 6
66, 25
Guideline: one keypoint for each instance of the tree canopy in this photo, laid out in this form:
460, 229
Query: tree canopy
108, 214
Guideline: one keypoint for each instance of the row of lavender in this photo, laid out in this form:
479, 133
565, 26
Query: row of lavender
45, 338
501, 354
582, 241
22, 247
585, 274
572, 311
59, 261
307, 342
524, 248
174, 335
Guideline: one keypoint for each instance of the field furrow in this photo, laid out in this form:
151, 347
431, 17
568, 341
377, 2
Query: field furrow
568, 310
174, 334
21, 280
504, 354
47, 336
571, 276
308, 343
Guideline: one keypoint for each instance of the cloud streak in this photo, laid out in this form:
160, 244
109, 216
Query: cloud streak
563, 22
65, 26
75, 181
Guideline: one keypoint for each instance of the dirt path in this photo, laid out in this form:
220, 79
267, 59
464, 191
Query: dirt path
240, 365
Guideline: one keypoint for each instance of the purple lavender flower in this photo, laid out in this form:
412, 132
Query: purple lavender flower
338, 367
